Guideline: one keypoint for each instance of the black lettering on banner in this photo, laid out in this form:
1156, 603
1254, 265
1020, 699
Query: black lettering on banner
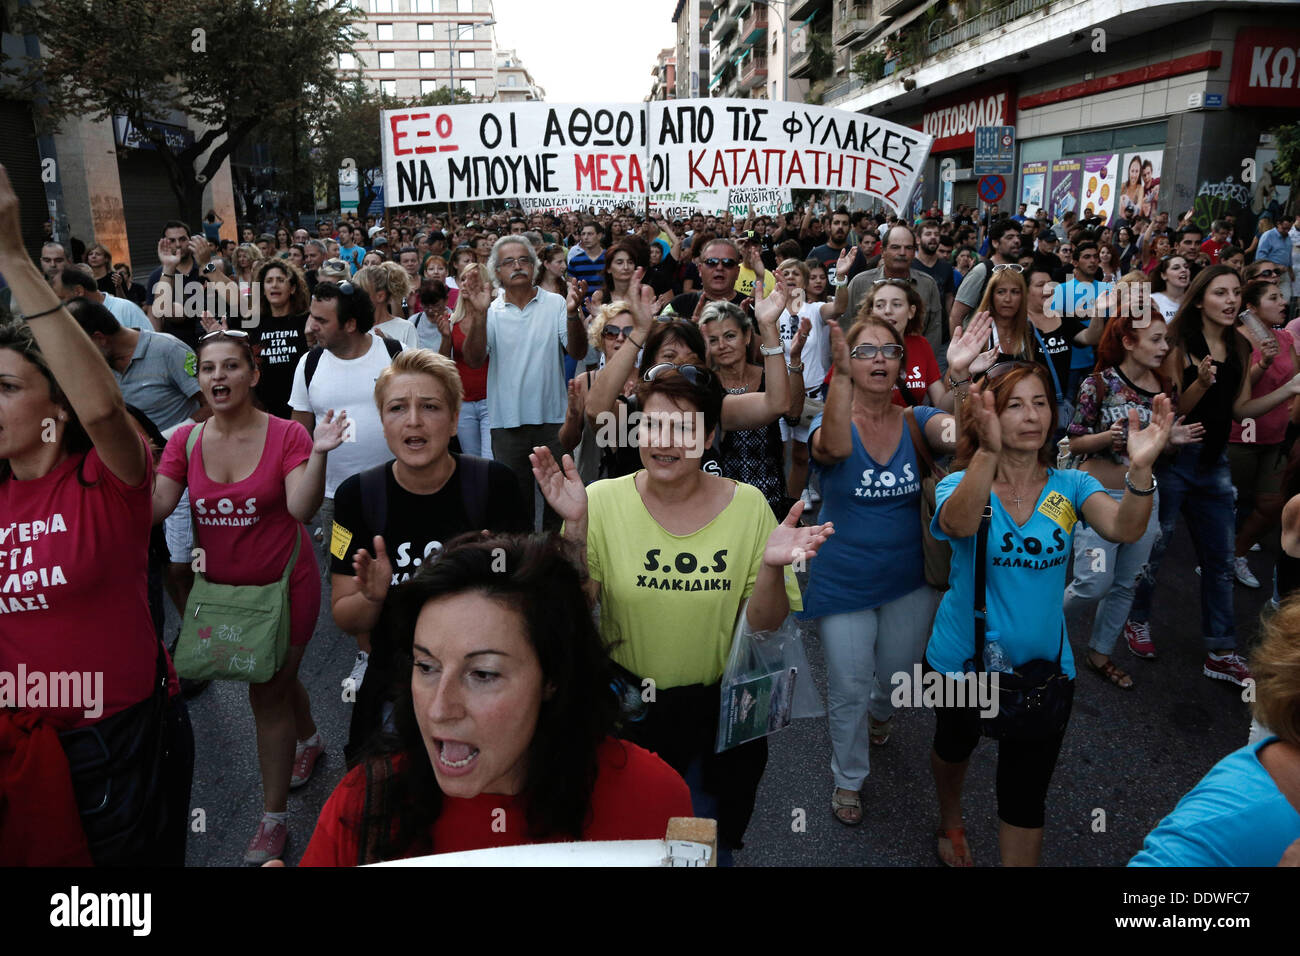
659, 178
407, 187
553, 130
484, 135
579, 127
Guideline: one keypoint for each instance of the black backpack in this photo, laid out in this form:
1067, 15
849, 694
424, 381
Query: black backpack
313, 357
473, 492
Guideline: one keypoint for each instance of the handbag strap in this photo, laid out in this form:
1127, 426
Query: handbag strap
980, 604
919, 444
1051, 366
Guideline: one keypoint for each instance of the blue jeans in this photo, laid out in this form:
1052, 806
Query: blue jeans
1106, 574
1205, 496
474, 429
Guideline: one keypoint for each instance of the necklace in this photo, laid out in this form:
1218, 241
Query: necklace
741, 390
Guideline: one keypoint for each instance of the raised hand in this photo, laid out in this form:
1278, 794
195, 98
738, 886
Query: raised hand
840, 350
11, 231
212, 323
576, 402
374, 575
982, 408
473, 290
329, 432
641, 303
845, 262
577, 293
561, 487
768, 308
1205, 372
1146, 444
443, 322
168, 255
1182, 434
788, 543
967, 343
200, 250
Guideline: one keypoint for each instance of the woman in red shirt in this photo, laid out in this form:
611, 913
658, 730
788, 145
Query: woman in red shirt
254, 479
504, 726
75, 480
473, 428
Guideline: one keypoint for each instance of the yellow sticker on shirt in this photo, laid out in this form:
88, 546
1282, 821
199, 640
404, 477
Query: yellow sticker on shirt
340, 538
1058, 507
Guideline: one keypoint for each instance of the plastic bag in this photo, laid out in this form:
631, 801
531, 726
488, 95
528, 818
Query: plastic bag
766, 685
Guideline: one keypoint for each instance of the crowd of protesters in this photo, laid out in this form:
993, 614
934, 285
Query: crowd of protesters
499, 421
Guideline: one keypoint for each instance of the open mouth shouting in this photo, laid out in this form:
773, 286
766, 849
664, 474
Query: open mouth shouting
455, 757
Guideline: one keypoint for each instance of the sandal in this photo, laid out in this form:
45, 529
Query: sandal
847, 810
961, 852
878, 730
1111, 673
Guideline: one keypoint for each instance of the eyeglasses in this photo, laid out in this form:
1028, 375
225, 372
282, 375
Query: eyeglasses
232, 333
1266, 273
903, 282
614, 331
868, 351
513, 261
714, 263
1013, 266
697, 375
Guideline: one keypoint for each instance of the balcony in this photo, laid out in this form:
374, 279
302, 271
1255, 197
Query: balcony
857, 23
753, 71
723, 19
753, 25
943, 34
895, 8
802, 9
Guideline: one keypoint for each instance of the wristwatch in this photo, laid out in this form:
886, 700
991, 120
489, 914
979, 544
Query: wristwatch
839, 282
772, 349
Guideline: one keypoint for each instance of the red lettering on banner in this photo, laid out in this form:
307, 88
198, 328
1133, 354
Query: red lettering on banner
597, 168
695, 178
751, 167
393, 122
796, 164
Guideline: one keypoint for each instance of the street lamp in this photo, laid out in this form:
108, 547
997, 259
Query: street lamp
457, 32
785, 42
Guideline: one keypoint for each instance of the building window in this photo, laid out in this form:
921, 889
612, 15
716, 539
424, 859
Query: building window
469, 86
382, 6
428, 86
347, 61
388, 87
422, 6
428, 60
424, 31
466, 60
464, 30
388, 61
383, 31
464, 6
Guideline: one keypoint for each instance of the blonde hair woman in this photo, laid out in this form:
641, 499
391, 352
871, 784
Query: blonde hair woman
474, 427
610, 330
387, 284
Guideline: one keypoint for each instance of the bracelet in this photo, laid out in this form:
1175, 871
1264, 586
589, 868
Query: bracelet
839, 283
639, 345
954, 383
1139, 491
794, 369
37, 315
772, 349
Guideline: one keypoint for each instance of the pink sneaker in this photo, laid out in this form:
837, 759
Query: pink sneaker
304, 764
1232, 666
1138, 638
268, 842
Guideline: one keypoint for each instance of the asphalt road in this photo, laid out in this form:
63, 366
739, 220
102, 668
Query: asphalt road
1128, 755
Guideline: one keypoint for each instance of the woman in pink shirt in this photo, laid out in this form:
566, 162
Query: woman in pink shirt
254, 479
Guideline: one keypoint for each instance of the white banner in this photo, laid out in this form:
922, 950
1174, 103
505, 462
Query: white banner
716, 143
621, 152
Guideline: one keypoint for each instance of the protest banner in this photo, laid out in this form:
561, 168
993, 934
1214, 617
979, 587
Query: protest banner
708, 144
624, 151
497, 150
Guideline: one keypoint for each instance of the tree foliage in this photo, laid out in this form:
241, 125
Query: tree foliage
229, 67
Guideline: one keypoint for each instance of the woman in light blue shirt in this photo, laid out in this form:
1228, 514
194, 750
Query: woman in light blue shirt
1006, 451
1246, 810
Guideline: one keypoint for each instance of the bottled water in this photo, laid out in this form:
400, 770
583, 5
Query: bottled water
995, 657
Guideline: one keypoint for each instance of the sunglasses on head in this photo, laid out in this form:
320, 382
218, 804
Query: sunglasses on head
1013, 266
900, 282
614, 331
239, 334
695, 374
998, 369
714, 263
869, 351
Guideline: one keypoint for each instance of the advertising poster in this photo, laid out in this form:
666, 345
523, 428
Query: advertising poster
1063, 188
1099, 188
1033, 183
1139, 192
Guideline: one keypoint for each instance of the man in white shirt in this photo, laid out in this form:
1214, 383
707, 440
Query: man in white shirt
72, 281
339, 375
520, 330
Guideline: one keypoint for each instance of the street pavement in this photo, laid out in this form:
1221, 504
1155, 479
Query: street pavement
1128, 755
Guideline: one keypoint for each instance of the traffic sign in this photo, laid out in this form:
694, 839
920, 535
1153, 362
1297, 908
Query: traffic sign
995, 150
992, 188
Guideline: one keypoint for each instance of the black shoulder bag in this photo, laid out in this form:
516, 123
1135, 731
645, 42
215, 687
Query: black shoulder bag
1033, 701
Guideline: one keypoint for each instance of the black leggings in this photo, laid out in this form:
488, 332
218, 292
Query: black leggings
1024, 766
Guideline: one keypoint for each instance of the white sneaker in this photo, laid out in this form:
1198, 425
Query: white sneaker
358, 674
1244, 574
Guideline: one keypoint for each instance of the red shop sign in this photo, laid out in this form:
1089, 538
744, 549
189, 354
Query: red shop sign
1265, 68
952, 119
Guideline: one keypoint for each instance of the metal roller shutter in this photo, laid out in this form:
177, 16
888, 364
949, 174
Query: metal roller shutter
148, 202
22, 160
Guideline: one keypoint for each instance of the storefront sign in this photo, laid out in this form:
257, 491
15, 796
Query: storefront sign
1265, 68
952, 120
127, 134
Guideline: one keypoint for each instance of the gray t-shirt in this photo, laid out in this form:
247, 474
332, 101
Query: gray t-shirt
162, 379
971, 289
932, 328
